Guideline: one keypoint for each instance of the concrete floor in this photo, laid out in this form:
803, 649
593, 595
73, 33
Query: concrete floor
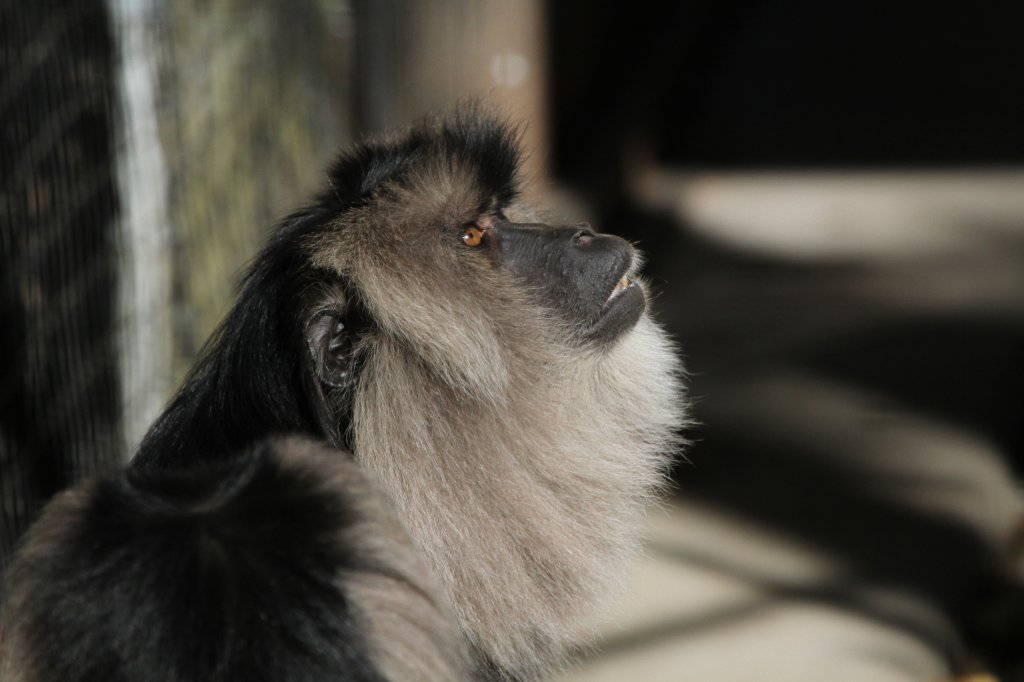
855, 346
685, 618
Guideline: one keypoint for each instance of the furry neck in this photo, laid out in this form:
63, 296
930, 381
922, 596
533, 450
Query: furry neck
528, 508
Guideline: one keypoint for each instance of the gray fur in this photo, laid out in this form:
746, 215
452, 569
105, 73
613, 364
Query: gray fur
408, 623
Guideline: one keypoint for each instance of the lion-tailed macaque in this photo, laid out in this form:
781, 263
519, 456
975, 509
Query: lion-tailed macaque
491, 381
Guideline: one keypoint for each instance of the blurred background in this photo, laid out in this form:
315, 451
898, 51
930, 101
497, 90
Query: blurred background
830, 197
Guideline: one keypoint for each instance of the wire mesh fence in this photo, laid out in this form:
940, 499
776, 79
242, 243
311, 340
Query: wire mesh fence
147, 147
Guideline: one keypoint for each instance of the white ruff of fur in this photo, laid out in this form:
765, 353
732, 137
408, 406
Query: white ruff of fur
532, 518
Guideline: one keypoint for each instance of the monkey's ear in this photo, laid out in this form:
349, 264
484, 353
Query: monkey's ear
330, 347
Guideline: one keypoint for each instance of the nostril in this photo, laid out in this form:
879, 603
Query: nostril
583, 238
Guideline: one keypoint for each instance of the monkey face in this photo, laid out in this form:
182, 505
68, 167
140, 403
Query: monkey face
469, 291
586, 278
437, 261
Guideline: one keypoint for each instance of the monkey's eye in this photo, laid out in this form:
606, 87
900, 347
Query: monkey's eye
472, 235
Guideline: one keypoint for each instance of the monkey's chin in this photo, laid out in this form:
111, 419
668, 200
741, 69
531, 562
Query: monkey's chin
618, 316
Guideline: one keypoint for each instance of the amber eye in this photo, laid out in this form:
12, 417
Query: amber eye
472, 236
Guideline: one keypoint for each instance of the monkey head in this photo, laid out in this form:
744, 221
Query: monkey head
440, 255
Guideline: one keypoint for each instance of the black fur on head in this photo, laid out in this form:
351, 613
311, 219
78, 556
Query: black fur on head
471, 138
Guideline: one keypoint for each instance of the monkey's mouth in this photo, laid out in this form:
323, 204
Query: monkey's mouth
627, 297
621, 286
621, 310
